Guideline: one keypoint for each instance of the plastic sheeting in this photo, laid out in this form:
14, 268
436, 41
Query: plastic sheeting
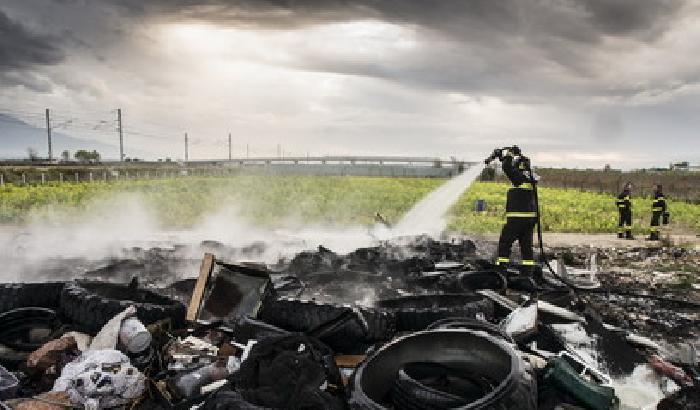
101, 379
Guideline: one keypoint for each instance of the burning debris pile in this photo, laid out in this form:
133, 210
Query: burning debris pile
411, 323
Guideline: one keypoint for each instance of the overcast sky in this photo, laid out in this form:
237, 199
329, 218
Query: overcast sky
575, 83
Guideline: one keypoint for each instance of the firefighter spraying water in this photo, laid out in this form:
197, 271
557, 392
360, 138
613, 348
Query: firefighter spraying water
521, 213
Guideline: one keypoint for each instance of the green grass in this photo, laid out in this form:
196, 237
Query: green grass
275, 200
267, 200
565, 210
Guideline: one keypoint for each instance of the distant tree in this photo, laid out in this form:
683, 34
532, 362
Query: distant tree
607, 167
87, 156
65, 156
32, 154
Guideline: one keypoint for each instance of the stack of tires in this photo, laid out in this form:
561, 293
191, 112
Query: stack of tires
87, 306
414, 313
367, 326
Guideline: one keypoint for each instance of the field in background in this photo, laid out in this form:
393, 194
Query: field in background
681, 185
266, 200
566, 210
274, 200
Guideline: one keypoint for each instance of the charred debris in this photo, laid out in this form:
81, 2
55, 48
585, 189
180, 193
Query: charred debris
412, 323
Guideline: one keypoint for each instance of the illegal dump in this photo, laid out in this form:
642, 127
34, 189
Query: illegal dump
410, 323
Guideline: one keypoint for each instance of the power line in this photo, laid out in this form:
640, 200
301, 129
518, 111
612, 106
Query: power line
121, 134
48, 132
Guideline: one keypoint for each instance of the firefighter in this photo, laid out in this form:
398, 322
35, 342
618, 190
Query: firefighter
624, 208
521, 210
658, 208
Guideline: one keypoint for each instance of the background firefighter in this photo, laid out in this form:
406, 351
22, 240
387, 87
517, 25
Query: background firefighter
521, 212
658, 208
624, 208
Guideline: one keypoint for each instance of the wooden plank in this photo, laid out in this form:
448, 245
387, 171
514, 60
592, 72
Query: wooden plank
349, 360
198, 292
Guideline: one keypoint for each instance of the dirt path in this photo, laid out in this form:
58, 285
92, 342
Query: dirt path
611, 240
598, 240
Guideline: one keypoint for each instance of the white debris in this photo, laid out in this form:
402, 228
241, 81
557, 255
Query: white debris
547, 307
109, 334
521, 321
81, 339
580, 342
640, 390
101, 379
642, 341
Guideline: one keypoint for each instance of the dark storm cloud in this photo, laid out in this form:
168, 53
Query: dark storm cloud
529, 49
581, 20
512, 48
20, 48
21, 51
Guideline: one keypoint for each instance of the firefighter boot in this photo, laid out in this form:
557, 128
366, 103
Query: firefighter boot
524, 281
620, 235
653, 236
628, 234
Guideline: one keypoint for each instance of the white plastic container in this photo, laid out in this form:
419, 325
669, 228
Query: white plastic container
134, 336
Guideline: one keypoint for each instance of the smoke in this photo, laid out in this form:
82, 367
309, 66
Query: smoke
73, 240
114, 225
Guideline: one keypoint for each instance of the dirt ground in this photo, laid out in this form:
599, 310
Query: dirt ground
602, 240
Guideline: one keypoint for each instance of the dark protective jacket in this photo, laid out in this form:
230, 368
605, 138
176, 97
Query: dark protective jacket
624, 202
520, 201
659, 202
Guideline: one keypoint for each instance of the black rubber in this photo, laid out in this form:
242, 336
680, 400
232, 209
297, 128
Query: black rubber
486, 363
414, 313
298, 315
19, 295
410, 391
89, 305
229, 400
470, 281
17, 325
473, 324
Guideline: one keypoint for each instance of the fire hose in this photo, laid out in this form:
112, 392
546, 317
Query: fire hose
574, 289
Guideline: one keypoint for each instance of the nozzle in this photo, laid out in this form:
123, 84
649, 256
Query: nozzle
495, 154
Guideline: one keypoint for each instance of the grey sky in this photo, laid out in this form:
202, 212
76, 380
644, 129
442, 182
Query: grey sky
576, 83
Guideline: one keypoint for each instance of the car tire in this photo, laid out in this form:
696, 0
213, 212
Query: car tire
20, 295
414, 313
373, 383
299, 315
89, 305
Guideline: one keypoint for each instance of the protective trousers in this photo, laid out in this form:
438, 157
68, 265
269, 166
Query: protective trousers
520, 229
625, 223
655, 223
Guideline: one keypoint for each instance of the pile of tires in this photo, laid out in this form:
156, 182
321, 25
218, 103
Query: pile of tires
89, 305
298, 315
414, 313
444, 368
21, 295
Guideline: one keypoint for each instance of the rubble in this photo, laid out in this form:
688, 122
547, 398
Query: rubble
522, 322
409, 323
101, 379
8, 384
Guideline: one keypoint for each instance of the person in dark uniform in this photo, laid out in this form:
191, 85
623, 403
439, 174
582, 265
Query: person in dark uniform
658, 208
624, 208
521, 210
